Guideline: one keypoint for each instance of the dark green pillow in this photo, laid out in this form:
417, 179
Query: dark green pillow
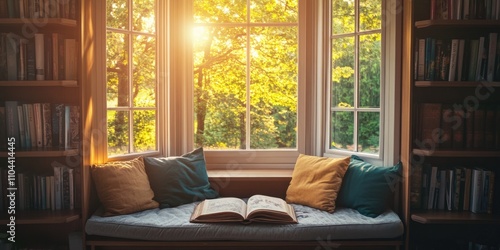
180, 179
368, 188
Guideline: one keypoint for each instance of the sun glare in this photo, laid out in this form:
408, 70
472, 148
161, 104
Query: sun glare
199, 34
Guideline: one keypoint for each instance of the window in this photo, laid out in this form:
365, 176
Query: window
131, 76
355, 86
245, 56
255, 82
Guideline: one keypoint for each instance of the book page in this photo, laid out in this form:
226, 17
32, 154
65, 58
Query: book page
222, 205
263, 202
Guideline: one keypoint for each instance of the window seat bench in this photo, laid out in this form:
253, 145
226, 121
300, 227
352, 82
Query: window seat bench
169, 228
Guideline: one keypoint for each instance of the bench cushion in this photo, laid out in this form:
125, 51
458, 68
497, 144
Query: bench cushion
172, 224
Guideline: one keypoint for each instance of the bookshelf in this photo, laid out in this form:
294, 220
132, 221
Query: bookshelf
436, 226
36, 205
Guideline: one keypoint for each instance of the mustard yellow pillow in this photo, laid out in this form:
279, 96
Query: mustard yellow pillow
123, 187
316, 181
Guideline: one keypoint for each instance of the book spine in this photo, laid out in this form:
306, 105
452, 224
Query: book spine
22, 62
72, 123
48, 59
481, 55
12, 120
37, 111
22, 132
479, 122
47, 125
55, 56
460, 60
492, 46
27, 130
453, 60
12, 44
421, 60
466, 11
30, 60
31, 124
3, 56
39, 56
70, 58
57, 187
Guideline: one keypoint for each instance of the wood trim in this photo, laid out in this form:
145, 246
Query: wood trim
100, 242
454, 217
406, 100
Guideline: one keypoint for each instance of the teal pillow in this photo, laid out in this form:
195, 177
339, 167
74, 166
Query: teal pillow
180, 179
368, 188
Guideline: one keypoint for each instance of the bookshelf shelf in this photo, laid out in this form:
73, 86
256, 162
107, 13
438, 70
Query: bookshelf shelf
42, 153
454, 217
455, 84
456, 23
62, 83
38, 21
456, 153
43, 217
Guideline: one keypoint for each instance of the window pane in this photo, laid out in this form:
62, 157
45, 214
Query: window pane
118, 132
144, 130
273, 89
370, 14
262, 11
369, 70
144, 16
117, 70
220, 11
342, 130
144, 61
343, 72
368, 135
343, 16
220, 87
117, 14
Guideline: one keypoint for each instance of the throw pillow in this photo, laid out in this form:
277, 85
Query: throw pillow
123, 187
179, 180
368, 188
316, 181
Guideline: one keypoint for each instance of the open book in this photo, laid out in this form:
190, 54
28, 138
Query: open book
259, 208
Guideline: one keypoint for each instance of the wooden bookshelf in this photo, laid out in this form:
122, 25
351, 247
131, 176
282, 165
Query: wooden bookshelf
38, 21
456, 153
454, 217
456, 23
42, 217
455, 84
61, 83
42, 153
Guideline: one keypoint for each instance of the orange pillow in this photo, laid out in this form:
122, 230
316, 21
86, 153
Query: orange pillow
316, 181
123, 187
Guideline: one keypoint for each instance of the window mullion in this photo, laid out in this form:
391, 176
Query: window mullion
130, 79
248, 80
356, 75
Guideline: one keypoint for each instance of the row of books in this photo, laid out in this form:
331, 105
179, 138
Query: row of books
43, 57
449, 126
465, 9
453, 189
38, 9
476, 59
43, 192
40, 125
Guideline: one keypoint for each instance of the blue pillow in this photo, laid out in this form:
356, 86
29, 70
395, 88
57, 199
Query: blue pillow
179, 180
368, 188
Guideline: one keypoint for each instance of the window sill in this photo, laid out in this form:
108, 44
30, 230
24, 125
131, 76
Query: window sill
251, 174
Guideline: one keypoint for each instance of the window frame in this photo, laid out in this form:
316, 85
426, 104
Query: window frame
390, 89
175, 129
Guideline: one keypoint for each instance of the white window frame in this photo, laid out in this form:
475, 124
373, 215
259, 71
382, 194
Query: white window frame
182, 73
175, 128
390, 87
